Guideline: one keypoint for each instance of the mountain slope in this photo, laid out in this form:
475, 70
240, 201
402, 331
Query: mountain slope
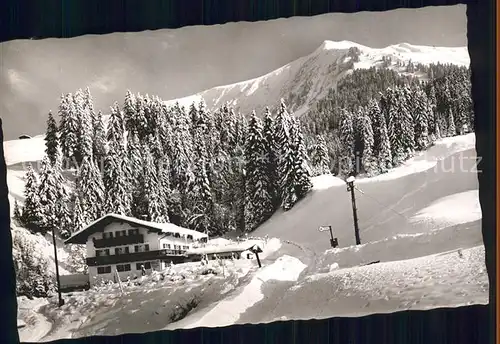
304, 81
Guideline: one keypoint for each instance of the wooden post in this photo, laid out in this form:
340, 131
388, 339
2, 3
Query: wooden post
119, 280
350, 187
61, 301
258, 259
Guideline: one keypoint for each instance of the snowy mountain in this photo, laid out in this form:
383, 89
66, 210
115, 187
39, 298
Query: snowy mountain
181, 62
306, 80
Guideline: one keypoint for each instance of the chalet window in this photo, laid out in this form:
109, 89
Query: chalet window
133, 231
122, 250
101, 253
118, 234
103, 270
124, 232
166, 246
107, 235
123, 267
147, 266
185, 247
137, 248
177, 247
146, 247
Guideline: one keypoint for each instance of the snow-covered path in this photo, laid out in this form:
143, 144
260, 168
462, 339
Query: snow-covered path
228, 311
37, 325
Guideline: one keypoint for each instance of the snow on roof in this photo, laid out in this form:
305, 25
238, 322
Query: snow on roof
243, 246
86, 231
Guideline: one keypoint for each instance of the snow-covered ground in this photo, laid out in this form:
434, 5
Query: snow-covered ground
228, 312
441, 280
24, 150
156, 300
458, 208
420, 222
429, 158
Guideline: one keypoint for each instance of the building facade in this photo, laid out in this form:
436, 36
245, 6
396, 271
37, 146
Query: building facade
120, 246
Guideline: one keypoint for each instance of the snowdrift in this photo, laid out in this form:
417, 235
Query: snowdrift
442, 280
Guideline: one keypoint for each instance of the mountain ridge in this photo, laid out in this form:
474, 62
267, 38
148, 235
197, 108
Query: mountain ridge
308, 78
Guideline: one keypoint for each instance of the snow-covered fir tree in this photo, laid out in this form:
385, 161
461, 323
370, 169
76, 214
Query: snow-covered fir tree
148, 199
88, 102
347, 161
99, 142
115, 129
48, 194
421, 113
320, 157
90, 190
17, 213
62, 210
54, 198
79, 218
368, 160
85, 129
302, 171
164, 189
406, 109
373, 112
140, 121
129, 112
200, 191
437, 129
258, 202
270, 150
116, 186
283, 145
69, 128
384, 155
293, 172
452, 131
155, 145
51, 139
400, 128
165, 131
32, 214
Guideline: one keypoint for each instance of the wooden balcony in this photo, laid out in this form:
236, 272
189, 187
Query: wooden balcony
119, 241
176, 256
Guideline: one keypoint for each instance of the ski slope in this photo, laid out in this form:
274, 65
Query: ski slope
386, 204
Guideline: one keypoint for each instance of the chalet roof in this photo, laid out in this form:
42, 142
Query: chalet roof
237, 247
82, 235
